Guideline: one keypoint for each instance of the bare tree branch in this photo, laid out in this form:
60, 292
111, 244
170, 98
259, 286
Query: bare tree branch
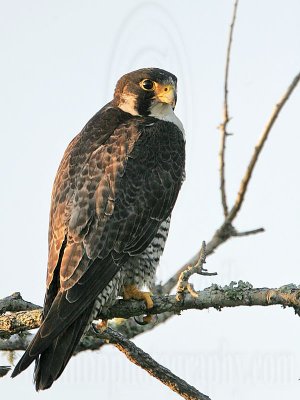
248, 233
15, 322
15, 302
258, 148
225, 232
145, 361
128, 327
226, 118
232, 295
183, 281
16, 342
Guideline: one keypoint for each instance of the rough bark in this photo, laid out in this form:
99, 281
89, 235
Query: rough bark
232, 295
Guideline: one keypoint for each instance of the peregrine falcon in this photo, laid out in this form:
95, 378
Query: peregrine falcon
111, 205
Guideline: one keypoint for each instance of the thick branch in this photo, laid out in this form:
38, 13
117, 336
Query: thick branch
223, 125
128, 327
145, 361
15, 302
233, 295
16, 342
11, 322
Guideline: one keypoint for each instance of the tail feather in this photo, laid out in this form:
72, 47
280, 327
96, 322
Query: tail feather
53, 359
64, 324
52, 362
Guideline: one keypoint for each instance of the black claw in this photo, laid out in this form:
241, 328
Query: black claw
140, 322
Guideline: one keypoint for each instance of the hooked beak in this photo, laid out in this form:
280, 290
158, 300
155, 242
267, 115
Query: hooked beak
166, 94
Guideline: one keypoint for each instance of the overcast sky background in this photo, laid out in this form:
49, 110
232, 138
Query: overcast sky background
60, 61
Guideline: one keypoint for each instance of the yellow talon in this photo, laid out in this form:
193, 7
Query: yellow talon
148, 299
132, 292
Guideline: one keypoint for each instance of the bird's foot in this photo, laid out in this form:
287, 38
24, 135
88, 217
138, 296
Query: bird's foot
132, 292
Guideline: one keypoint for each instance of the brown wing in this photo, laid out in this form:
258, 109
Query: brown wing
91, 161
79, 193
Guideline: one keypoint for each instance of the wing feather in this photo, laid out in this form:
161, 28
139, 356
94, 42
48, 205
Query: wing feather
118, 180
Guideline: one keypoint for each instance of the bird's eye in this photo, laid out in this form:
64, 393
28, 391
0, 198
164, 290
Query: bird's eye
147, 84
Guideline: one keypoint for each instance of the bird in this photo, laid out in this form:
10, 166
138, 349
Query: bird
111, 205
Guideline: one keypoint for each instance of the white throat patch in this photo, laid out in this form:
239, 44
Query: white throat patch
165, 112
162, 111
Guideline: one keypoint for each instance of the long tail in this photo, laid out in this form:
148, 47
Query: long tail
51, 363
65, 322
55, 355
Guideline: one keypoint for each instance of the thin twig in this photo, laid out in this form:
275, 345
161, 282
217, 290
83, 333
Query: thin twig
222, 234
183, 285
226, 118
248, 233
258, 148
145, 361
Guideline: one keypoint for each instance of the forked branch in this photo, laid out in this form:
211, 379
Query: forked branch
183, 285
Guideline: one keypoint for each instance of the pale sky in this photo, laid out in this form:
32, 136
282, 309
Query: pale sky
60, 61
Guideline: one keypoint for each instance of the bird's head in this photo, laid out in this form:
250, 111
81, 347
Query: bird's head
146, 91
